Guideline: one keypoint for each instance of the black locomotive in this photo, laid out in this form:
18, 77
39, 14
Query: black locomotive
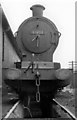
36, 75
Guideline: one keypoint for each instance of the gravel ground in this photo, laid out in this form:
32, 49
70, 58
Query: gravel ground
67, 99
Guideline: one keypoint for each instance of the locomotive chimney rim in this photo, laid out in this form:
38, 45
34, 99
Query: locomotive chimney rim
37, 10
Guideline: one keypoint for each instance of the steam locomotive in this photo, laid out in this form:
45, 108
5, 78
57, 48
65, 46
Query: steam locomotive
36, 74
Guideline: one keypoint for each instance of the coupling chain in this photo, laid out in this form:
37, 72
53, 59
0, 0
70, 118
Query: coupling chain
38, 85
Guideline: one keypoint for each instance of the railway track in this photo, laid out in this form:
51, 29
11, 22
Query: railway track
17, 111
10, 113
64, 109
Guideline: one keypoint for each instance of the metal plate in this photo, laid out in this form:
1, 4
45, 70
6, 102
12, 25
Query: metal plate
41, 65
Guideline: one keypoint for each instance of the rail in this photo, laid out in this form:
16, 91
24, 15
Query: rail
72, 116
11, 110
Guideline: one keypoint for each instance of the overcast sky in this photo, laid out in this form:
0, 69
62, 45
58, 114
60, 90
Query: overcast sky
61, 12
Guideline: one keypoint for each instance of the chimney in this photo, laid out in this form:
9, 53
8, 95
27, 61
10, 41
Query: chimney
37, 10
